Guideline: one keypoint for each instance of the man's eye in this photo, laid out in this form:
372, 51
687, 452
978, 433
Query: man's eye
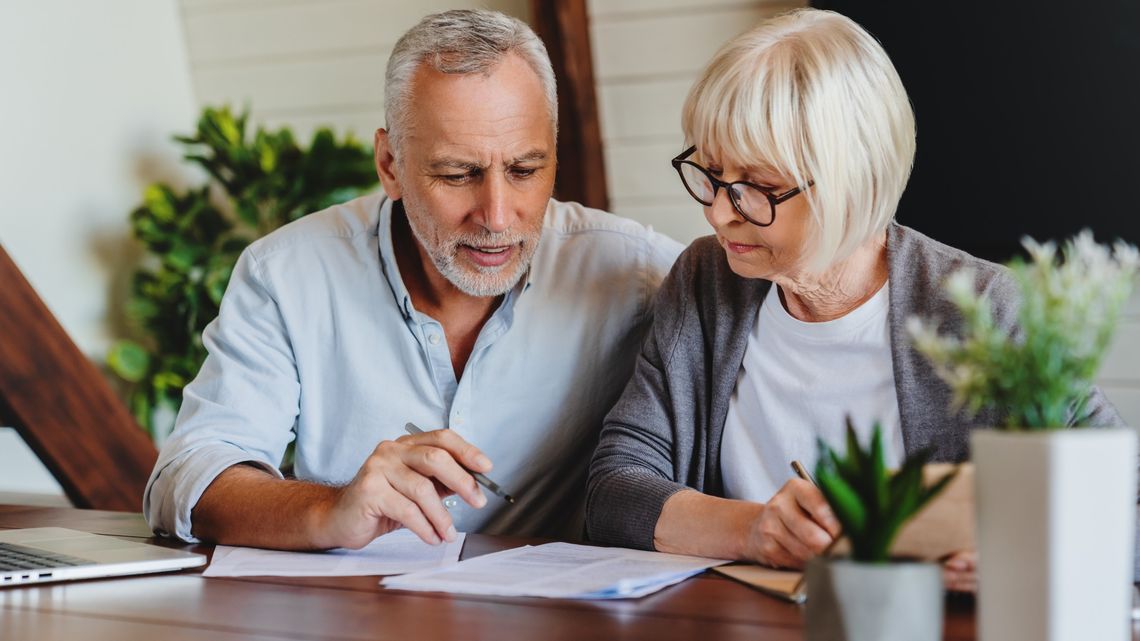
457, 179
523, 172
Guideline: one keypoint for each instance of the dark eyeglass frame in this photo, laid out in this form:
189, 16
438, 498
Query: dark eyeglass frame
773, 199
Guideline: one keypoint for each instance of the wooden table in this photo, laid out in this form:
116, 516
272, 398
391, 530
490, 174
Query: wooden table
185, 605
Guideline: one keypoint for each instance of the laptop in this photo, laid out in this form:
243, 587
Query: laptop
40, 555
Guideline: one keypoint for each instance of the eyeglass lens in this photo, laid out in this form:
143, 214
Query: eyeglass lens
753, 203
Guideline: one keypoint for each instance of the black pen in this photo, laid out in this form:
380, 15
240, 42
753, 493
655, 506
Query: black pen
411, 428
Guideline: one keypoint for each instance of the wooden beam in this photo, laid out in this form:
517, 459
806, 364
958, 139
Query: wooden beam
60, 404
565, 28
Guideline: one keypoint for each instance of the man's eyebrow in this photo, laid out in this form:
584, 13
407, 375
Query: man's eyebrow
455, 163
468, 165
529, 156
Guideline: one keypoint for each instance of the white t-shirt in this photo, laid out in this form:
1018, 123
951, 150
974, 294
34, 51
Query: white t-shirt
798, 381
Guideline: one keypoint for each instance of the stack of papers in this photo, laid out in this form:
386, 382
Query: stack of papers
559, 570
397, 552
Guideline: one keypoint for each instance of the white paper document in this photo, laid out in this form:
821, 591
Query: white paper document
397, 552
559, 570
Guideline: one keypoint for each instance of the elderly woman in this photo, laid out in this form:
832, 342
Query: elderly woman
791, 316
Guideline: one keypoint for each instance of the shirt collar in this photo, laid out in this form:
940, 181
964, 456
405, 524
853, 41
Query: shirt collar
390, 208
388, 256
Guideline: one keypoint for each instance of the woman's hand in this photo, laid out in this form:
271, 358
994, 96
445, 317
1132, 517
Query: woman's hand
960, 572
795, 525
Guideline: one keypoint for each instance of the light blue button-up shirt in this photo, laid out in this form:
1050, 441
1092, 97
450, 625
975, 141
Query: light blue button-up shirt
317, 340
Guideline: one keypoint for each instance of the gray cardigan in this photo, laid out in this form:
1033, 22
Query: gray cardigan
664, 434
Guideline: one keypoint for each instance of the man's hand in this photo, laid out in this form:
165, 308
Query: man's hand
401, 484
795, 525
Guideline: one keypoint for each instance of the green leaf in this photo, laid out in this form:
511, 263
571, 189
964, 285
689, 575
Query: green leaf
160, 201
140, 405
871, 503
128, 360
193, 237
216, 281
844, 501
181, 257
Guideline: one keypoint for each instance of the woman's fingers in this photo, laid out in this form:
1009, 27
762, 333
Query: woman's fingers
788, 527
812, 501
960, 572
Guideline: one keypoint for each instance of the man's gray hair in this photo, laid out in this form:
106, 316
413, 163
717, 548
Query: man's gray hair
461, 41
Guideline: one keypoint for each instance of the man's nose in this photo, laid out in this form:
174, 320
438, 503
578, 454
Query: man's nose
497, 212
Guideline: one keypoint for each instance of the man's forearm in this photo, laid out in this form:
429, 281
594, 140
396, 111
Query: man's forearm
249, 507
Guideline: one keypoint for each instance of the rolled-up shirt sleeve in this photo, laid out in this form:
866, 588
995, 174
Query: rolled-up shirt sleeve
241, 408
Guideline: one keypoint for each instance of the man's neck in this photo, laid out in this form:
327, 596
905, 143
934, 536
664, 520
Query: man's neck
461, 314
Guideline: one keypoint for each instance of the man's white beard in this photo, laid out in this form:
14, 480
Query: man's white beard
470, 278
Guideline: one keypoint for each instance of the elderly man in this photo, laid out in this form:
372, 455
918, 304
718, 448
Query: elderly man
465, 301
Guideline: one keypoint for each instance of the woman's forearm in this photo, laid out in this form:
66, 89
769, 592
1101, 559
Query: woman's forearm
702, 525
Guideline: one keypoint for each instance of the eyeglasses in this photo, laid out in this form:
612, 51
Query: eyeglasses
754, 203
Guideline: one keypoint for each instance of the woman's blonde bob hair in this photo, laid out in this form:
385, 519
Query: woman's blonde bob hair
813, 96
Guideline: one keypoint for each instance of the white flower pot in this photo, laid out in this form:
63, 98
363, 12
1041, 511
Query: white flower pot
1056, 512
849, 601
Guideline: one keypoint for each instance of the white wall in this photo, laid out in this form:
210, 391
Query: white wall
305, 63
646, 54
90, 93
1120, 374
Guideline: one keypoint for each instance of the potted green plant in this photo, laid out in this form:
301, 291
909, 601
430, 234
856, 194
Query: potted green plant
871, 596
1056, 507
259, 180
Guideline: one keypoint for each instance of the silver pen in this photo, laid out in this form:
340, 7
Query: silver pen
412, 429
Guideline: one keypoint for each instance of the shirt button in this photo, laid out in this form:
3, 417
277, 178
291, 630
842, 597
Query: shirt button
434, 339
450, 502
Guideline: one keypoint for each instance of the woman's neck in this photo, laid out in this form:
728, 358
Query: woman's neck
842, 288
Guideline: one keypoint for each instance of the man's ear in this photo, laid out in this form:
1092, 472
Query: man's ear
386, 164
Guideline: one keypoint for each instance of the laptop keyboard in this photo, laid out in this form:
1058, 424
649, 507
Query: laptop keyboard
18, 557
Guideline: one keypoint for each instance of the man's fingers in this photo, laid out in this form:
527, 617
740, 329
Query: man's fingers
438, 464
420, 492
467, 454
811, 500
397, 507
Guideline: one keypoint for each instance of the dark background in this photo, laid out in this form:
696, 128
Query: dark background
1028, 117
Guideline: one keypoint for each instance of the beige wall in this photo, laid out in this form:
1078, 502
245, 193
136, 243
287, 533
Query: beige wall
89, 95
